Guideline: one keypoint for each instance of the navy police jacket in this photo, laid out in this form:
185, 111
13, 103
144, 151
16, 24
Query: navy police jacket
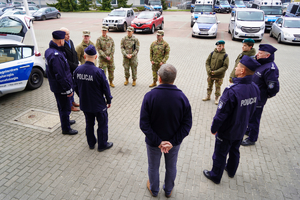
236, 106
58, 70
91, 85
266, 78
165, 115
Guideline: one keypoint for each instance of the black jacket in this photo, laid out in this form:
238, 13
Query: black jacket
71, 56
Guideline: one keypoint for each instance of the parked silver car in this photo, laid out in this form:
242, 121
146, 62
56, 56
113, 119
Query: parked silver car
286, 29
32, 9
119, 19
46, 13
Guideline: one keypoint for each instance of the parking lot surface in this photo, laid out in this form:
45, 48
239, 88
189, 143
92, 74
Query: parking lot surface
37, 164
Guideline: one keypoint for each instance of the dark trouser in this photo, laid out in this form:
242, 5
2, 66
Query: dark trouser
222, 148
102, 131
154, 155
253, 126
64, 109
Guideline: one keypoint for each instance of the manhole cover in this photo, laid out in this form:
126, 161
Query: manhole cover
38, 119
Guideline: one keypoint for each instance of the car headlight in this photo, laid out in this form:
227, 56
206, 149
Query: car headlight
132, 22
286, 34
148, 23
120, 21
238, 26
262, 27
213, 29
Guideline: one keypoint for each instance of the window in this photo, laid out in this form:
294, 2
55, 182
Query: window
142, 2
8, 54
9, 25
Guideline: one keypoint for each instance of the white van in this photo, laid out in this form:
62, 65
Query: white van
247, 23
20, 66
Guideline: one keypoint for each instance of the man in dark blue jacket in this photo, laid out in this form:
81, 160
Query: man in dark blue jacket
165, 119
236, 106
60, 80
266, 78
91, 85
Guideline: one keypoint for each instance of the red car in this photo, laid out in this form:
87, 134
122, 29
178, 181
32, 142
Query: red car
148, 21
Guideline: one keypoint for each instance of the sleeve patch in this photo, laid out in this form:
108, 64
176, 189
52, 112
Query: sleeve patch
220, 105
271, 85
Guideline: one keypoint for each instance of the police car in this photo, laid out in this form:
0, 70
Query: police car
20, 66
205, 26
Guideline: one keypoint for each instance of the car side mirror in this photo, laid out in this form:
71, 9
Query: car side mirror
280, 25
283, 14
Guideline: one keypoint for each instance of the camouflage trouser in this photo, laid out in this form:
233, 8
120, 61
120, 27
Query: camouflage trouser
111, 69
218, 83
130, 63
155, 68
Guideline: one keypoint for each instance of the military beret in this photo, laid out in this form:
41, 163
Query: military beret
248, 40
250, 63
220, 42
267, 48
160, 32
86, 32
90, 50
130, 28
58, 35
104, 28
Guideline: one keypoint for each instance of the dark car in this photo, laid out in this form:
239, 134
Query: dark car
46, 13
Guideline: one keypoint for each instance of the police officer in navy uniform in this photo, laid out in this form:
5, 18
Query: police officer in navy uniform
266, 78
236, 106
60, 80
91, 85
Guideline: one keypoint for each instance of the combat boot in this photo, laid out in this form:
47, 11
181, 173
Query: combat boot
153, 84
217, 100
206, 98
111, 84
126, 81
133, 82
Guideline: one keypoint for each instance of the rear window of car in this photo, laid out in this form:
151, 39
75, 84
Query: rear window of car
9, 25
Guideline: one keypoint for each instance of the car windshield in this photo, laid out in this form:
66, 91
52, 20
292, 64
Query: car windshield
206, 20
239, 3
154, 2
146, 15
250, 16
41, 10
10, 25
291, 24
224, 3
272, 10
120, 13
203, 8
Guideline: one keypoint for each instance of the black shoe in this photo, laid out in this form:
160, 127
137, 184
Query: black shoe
70, 132
247, 142
108, 146
247, 133
92, 147
228, 173
72, 122
207, 175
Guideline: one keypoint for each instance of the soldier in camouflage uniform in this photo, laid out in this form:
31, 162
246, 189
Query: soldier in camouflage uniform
216, 66
106, 48
84, 44
159, 54
130, 46
247, 50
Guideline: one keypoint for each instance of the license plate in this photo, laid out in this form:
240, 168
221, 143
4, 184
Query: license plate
203, 33
297, 39
138, 30
250, 35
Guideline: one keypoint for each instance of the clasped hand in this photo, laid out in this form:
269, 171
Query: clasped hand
165, 146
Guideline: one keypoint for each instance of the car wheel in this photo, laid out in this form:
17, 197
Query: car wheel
43, 18
35, 79
271, 34
57, 15
232, 35
152, 29
228, 29
162, 26
192, 24
124, 27
279, 38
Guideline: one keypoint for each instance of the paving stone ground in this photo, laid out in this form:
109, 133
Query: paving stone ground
42, 165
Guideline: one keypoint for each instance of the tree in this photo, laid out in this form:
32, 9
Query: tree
123, 4
84, 5
164, 4
65, 5
106, 5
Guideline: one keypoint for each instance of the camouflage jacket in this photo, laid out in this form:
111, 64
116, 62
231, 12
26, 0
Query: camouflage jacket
130, 46
80, 51
215, 62
159, 52
106, 48
250, 53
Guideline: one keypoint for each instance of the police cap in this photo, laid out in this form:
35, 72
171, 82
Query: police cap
248, 40
58, 35
90, 50
250, 63
267, 48
220, 42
